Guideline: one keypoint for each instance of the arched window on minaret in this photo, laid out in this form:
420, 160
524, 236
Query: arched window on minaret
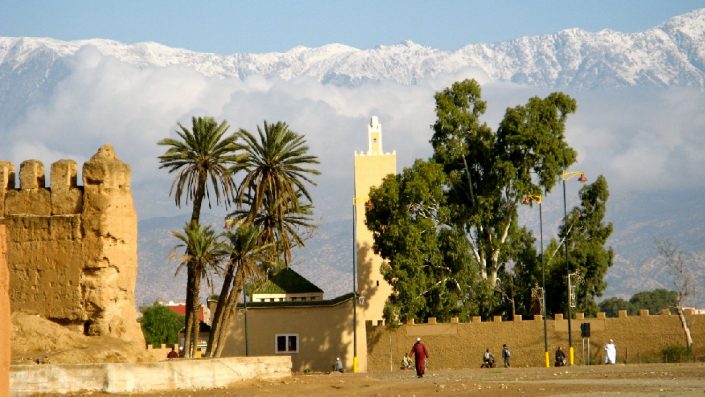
374, 134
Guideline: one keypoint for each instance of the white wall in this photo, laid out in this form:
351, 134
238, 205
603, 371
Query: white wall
144, 377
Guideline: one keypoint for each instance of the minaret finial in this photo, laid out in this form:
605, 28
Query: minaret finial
374, 134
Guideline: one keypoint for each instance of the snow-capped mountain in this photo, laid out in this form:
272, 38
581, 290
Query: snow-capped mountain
671, 54
63, 99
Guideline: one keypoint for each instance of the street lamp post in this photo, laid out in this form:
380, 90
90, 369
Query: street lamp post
564, 177
529, 200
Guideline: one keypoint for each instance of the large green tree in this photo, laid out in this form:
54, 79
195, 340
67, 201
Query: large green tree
428, 259
491, 172
486, 175
655, 300
612, 306
202, 158
160, 325
585, 234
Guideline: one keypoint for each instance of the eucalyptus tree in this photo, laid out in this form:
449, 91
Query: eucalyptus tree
589, 259
277, 168
426, 259
486, 174
491, 172
204, 253
202, 158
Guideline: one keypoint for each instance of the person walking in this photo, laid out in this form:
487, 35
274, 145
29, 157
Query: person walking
610, 353
418, 350
506, 355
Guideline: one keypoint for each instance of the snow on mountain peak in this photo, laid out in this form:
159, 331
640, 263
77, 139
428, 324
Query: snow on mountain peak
672, 53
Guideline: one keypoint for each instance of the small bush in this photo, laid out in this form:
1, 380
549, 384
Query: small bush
676, 354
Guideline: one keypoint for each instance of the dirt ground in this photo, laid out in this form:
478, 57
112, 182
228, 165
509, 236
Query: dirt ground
613, 380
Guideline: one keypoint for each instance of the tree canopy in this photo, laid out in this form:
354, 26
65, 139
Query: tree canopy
448, 226
585, 235
160, 325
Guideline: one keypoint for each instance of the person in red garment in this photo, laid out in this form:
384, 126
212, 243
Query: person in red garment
420, 356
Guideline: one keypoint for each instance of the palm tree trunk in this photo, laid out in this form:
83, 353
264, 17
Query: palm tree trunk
217, 325
188, 326
198, 198
229, 309
193, 279
196, 306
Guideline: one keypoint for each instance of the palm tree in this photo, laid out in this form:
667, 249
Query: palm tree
286, 231
204, 252
276, 170
203, 158
245, 253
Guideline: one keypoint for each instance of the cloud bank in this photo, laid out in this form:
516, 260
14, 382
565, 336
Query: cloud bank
640, 139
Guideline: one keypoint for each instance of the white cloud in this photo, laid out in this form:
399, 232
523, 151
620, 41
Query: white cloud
635, 138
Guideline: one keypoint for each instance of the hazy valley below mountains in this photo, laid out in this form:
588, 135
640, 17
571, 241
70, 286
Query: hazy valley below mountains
640, 123
327, 258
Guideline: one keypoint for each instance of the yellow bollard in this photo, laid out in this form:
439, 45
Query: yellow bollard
548, 362
355, 364
571, 355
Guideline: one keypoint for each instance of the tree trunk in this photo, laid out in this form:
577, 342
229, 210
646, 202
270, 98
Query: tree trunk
192, 279
196, 306
188, 320
229, 309
686, 329
218, 324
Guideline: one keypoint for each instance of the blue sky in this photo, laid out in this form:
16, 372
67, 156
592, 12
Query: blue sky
228, 27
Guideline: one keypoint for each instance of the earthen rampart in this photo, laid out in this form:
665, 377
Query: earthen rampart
72, 250
638, 338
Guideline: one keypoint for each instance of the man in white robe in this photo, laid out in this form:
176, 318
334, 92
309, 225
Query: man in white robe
610, 353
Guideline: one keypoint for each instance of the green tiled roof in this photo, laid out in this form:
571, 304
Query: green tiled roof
287, 281
327, 302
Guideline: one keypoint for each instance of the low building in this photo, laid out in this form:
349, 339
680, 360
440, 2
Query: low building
313, 333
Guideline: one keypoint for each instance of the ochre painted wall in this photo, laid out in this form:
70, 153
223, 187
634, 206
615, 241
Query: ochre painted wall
460, 345
325, 332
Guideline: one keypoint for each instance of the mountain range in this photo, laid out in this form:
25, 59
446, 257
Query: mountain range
37, 73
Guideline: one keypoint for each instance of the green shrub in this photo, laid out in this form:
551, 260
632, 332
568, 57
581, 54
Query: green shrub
676, 354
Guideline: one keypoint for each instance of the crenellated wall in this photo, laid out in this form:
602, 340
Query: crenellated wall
72, 250
460, 345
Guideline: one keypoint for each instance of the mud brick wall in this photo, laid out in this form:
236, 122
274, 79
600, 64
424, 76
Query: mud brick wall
72, 250
460, 345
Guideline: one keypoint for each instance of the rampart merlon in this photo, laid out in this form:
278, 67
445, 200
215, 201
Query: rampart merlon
72, 250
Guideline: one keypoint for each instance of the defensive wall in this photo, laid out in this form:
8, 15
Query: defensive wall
164, 376
72, 250
461, 345
4, 317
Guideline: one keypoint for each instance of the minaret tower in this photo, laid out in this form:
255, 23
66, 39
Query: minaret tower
370, 169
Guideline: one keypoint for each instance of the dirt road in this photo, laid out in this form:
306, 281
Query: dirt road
615, 380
